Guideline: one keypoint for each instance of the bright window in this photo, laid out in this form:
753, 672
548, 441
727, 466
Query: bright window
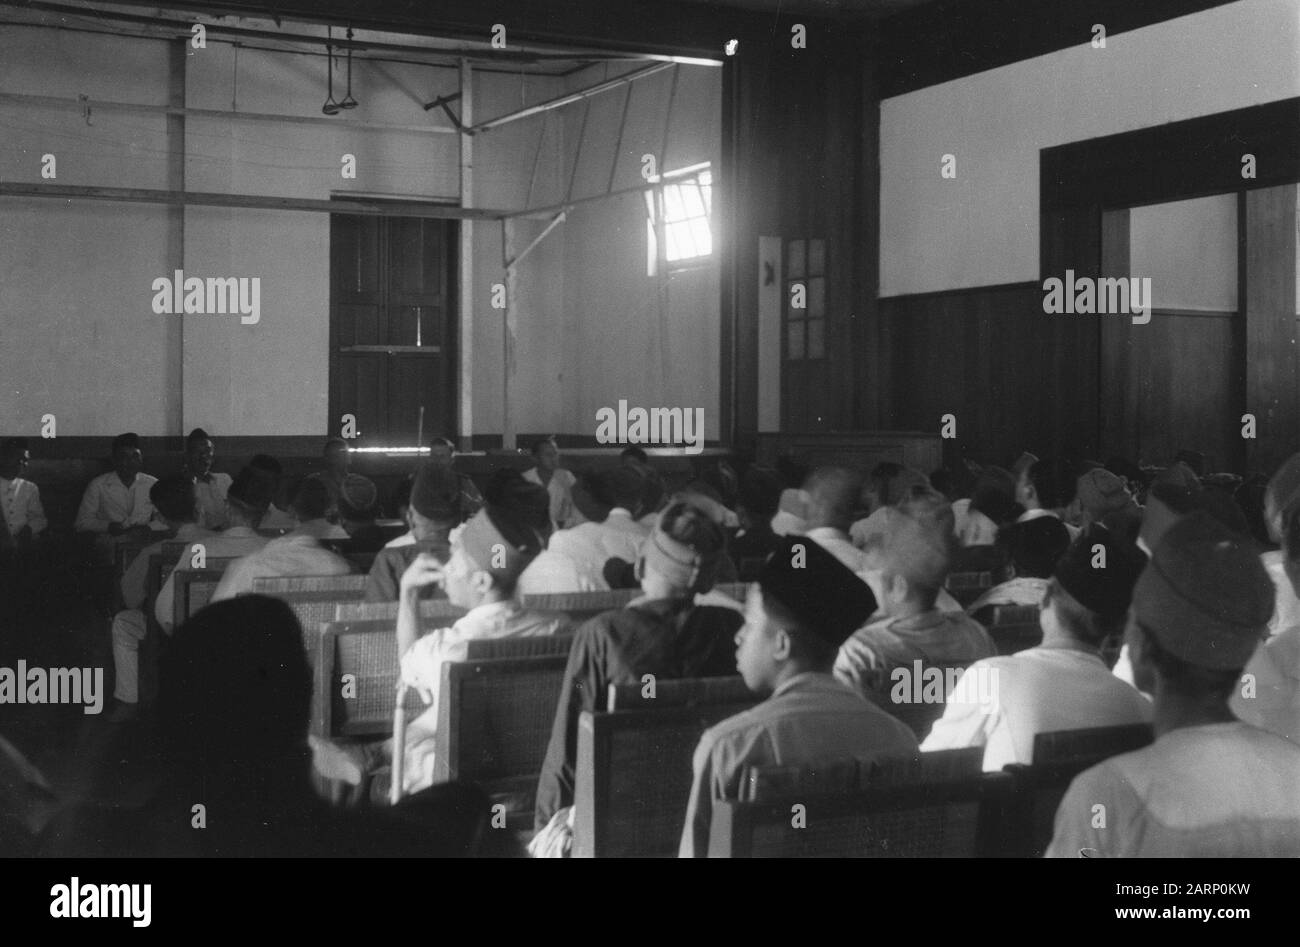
677, 216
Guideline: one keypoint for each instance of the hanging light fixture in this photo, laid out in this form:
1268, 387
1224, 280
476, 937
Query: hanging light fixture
330, 107
349, 102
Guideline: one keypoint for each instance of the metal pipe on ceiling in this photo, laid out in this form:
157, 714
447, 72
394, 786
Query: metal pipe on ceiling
572, 97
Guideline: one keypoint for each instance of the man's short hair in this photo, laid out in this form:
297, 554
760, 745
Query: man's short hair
173, 497
633, 453
1054, 486
333, 441
267, 463
196, 436
128, 441
542, 442
809, 647
835, 490
1080, 621
311, 500
439, 440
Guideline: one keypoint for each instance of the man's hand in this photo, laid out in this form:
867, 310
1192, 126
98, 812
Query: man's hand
424, 570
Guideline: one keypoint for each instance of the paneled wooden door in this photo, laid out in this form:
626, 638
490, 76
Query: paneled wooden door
393, 326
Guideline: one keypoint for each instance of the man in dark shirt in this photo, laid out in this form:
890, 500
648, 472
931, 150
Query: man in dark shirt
661, 633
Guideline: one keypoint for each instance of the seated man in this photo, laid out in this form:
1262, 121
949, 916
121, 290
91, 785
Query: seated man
1211, 785
358, 506
432, 512
1045, 490
1270, 693
296, 553
267, 467
808, 605
888, 485
558, 482
173, 498
1001, 703
913, 561
1281, 497
246, 501
663, 633
338, 481
1104, 499
760, 497
832, 496
575, 558
1033, 547
209, 488
442, 456
487, 554
116, 504
20, 499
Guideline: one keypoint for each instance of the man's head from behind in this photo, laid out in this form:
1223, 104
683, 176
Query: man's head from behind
337, 457
434, 502
441, 452
1044, 485
311, 500
805, 605
248, 498
912, 556
127, 457
682, 553
1035, 545
833, 494
14, 457
1091, 589
173, 498
235, 689
496, 544
1200, 609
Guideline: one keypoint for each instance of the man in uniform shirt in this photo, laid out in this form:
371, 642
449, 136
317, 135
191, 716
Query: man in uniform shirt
1210, 785
663, 633
23, 514
209, 488
442, 456
913, 560
557, 481
173, 498
1001, 703
808, 605
117, 504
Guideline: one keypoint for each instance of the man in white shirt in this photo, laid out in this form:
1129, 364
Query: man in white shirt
20, 498
117, 503
575, 558
1001, 703
209, 487
296, 553
246, 501
1280, 498
832, 496
269, 469
557, 481
173, 499
1210, 785
487, 555
1033, 547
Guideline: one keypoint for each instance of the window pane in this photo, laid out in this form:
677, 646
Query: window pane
649, 202
707, 192
692, 199
816, 341
794, 259
816, 257
703, 238
791, 312
672, 203
652, 250
794, 340
670, 238
685, 243
816, 297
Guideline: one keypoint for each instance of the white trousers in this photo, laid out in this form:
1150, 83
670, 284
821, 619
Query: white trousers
128, 632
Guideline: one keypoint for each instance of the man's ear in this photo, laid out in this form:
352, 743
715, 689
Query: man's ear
481, 581
781, 645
